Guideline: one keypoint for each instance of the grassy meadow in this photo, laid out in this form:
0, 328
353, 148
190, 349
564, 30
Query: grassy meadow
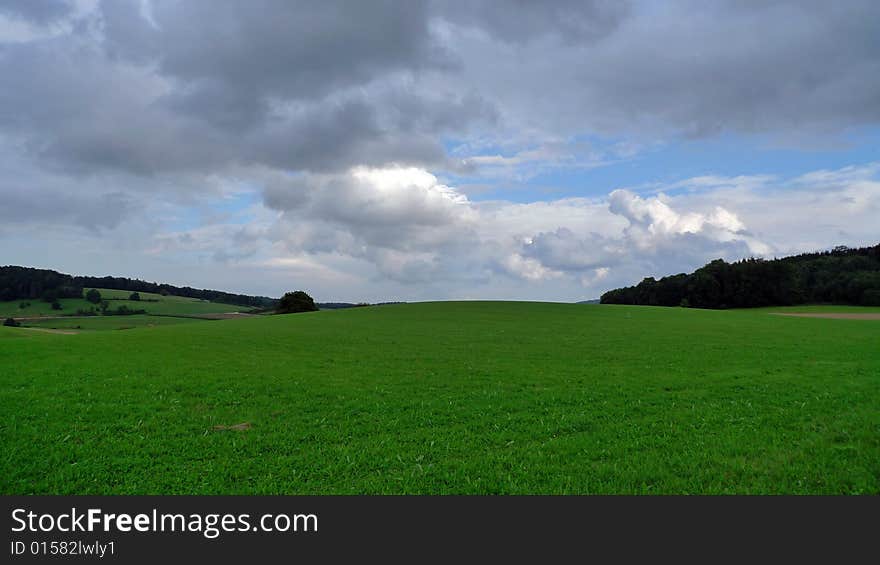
454, 397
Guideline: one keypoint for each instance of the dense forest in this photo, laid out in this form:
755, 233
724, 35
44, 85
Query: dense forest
22, 283
841, 276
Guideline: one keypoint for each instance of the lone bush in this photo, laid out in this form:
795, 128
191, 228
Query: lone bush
298, 301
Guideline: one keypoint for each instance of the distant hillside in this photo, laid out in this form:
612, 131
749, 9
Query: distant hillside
343, 305
26, 283
842, 275
338, 305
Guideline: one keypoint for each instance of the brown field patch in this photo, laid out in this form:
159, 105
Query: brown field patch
51, 331
832, 315
219, 316
237, 427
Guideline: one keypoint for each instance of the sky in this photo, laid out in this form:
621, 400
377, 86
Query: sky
428, 150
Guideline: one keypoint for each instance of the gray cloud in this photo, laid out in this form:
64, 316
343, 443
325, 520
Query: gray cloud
413, 229
357, 131
323, 86
789, 69
392, 210
171, 103
77, 111
39, 12
94, 211
563, 250
199, 86
659, 237
519, 21
233, 60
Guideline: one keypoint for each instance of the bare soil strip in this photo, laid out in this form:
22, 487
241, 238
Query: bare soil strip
221, 316
831, 315
51, 331
237, 427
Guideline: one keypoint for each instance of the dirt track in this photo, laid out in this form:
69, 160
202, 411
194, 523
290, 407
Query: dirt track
832, 315
51, 331
223, 316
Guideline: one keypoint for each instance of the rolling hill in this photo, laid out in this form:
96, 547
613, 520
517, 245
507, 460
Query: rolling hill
154, 304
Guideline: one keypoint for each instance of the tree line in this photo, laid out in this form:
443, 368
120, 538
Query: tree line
842, 275
24, 283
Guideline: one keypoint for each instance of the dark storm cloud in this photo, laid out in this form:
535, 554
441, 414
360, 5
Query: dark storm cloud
79, 113
36, 11
233, 59
774, 67
691, 68
200, 85
389, 125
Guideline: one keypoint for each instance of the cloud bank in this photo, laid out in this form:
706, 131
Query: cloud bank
370, 149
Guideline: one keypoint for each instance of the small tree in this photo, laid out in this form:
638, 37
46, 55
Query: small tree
297, 301
93, 296
135, 296
11, 323
56, 305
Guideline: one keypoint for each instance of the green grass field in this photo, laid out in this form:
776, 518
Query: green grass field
476, 397
165, 305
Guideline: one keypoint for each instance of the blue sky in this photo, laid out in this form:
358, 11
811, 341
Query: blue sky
663, 163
